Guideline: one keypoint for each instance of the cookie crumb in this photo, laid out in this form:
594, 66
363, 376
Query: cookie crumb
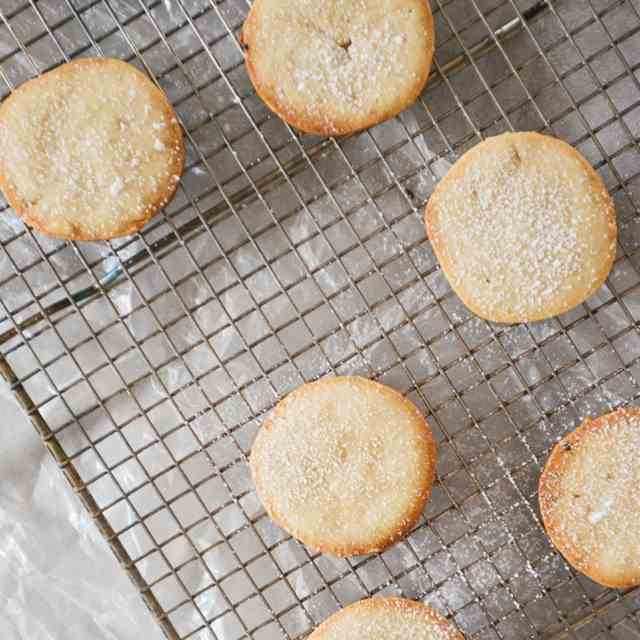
116, 186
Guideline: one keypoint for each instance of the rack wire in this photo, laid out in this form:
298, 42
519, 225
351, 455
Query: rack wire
147, 364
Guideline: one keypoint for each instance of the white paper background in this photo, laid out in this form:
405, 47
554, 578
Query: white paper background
58, 578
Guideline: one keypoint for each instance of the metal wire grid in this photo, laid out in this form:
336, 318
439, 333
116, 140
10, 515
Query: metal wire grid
146, 367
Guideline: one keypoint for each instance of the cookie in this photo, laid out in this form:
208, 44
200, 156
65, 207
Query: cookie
523, 227
90, 151
345, 465
338, 66
386, 619
589, 498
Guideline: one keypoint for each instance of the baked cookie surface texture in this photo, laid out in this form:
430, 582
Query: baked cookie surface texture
345, 465
386, 619
523, 227
89, 151
590, 499
332, 67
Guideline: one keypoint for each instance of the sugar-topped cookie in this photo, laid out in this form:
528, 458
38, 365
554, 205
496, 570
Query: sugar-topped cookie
523, 227
338, 66
590, 501
386, 619
345, 465
90, 151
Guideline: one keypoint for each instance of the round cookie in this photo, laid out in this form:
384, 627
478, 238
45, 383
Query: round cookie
523, 227
345, 465
90, 151
338, 66
589, 498
386, 619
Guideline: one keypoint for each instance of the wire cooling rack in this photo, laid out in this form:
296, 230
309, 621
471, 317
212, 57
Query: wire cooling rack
147, 364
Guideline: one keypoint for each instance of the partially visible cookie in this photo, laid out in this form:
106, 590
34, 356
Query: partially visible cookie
332, 67
345, 465
89, 151
523, 227
386, 619
590, 498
